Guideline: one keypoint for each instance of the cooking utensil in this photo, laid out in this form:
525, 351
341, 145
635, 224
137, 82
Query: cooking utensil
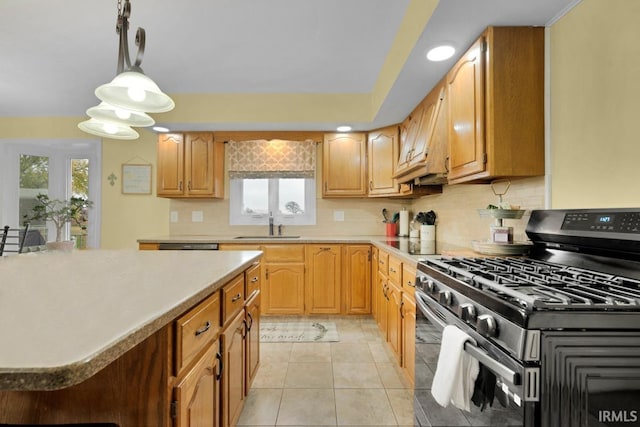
396, 217
385, 215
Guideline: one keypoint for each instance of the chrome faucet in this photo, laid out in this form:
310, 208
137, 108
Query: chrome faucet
270, 224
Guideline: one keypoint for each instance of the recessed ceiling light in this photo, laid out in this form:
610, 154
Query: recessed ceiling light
343, 128
160, 129
440, 53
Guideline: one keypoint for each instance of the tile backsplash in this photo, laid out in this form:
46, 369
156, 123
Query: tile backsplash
458, 222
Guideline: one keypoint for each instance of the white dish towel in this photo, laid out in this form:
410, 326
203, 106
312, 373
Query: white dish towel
456, 373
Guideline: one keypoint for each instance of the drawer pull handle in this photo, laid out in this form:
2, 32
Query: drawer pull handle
236, 298
254, 280
204, 329
391, 269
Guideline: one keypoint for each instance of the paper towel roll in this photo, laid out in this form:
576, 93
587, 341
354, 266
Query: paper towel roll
404, 223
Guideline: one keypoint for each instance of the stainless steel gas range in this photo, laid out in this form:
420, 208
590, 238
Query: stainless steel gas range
558, 331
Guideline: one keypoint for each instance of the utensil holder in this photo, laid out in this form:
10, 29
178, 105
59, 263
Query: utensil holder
428, 239
392, 229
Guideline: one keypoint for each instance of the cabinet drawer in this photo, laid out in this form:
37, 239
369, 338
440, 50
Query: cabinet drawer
253, 277
233, 297
283, 253
383, 262
196, 329
395, 270
408, 281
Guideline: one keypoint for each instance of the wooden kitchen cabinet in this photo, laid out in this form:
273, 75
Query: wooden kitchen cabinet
408, 315
374, 281
382, 149
344, 165
233, 380
197, 395
425, 144
408, 133
408, 327
381, 292
394, 321
252, 350
356, 278
496, 106
190, 165
323, 287
284, 282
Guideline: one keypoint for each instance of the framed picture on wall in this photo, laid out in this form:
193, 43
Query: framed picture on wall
136, 179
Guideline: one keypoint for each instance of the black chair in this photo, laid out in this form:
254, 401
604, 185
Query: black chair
12, 239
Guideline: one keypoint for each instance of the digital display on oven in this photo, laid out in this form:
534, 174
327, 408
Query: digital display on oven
605, 219
619, 222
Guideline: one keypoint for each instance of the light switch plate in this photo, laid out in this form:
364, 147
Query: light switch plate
173, 216
197, 216
338, 215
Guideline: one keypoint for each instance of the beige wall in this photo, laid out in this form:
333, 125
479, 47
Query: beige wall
125, 217
595, 105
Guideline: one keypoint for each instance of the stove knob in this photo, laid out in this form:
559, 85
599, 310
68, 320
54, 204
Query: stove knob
431, 286
426, 284
487, 326
445, 298
467, 312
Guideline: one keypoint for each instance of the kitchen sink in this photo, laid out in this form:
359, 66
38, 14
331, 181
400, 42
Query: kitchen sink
266, 237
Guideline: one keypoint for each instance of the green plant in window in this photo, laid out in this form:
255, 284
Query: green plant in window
59, 212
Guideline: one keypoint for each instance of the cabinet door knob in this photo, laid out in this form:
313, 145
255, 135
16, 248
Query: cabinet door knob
236, 298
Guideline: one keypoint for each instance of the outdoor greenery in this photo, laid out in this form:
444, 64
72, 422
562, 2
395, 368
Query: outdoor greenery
60, 212
34, 173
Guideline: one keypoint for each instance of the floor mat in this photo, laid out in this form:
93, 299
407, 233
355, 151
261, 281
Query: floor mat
298, 332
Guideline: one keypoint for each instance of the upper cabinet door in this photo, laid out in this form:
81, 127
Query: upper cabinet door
344, 165
465, 87
430, 116
190, 165
382, 146
200, 165
170, 164
408, 134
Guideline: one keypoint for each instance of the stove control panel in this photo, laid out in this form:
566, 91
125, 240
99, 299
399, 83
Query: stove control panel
611, 222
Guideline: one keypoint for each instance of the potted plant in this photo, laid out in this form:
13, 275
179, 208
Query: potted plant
60, 212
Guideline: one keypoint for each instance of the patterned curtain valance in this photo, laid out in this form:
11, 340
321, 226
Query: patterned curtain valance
271, 159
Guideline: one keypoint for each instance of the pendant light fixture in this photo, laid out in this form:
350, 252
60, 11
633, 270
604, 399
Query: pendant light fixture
130, 95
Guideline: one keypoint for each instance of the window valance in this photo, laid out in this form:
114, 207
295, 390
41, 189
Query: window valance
271, 159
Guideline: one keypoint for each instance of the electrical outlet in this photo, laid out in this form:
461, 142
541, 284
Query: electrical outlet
338, 215
197, 216
173, 216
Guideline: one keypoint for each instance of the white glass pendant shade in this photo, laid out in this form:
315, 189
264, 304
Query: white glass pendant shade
109, 113
107, 129
133, 90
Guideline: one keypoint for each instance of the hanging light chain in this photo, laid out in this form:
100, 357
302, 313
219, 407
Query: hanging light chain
122, 28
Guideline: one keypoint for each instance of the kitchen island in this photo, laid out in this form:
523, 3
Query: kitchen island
89, 336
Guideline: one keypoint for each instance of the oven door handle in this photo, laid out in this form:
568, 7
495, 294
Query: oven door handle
431, 314
473, 350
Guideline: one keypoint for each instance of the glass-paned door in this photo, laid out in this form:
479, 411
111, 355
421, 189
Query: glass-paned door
80, 188
34, 180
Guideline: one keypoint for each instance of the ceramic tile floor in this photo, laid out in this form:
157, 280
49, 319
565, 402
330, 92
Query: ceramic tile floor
353, 382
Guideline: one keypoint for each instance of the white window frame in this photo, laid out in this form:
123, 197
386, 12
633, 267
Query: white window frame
60, 153
237, 217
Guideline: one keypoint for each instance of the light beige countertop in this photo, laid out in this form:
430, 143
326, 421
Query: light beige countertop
65, 316
382, 242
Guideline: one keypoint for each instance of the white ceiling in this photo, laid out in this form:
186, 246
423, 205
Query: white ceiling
54, 53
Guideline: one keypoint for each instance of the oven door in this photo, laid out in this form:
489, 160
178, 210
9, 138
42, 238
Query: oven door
506, 410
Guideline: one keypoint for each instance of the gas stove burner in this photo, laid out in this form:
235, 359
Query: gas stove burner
534, 284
